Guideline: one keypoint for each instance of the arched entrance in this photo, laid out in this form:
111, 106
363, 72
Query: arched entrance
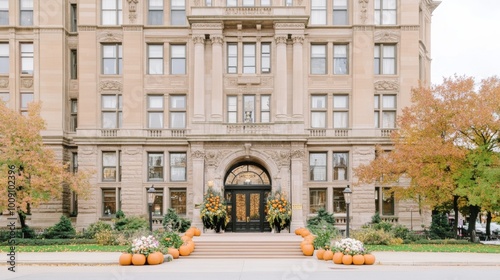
246, 187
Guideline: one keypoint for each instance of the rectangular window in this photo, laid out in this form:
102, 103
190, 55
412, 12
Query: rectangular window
249, 108
317, 200
340, 166
111, 111
340, 15
232, 58
111, 166
385, 12
178, 111
317, 166
318, 111
385, 59
110, 202
232, 109
5, 98
248, 2
155, 13
73, 122
232, 3
74, 162
112, 63
111, 12
178, 201
385, 112
340, 60
265, 108
155, 166
384, 201
157, 207
318, 11
178, 166
155, 59
27, 58
74, 65
155, 111
4, 58
289, 3
208, 3
26, 99
178, 59
265, 58
178, 12
73, 18
318, 59
26, 13
4, 12
340, 111
249, 58
338, 201
265, 2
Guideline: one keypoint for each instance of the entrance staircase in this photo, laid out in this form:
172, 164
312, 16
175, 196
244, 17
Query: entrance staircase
247, 246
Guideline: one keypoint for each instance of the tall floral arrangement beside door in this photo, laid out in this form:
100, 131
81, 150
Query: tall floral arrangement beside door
279, 211
213, 212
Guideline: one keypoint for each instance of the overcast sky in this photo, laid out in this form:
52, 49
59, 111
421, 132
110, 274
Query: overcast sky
466, 39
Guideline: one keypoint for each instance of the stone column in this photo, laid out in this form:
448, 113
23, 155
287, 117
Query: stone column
281, 74
217, 76
199, 78
298, 78
198, 158
297, 180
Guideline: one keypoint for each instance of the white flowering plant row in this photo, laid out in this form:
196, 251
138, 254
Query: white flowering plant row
145, 245
350, 246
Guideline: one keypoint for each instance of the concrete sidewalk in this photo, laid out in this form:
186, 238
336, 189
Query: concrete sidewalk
382, 258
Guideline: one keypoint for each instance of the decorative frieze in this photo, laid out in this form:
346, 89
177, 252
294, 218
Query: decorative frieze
132, 28
387, 85
298, 154
27, 83
410, 27
198, 39
298, 39
280, 39
289, 25
282, 158
110, 85
248, 11
386, 36
108, 36
363, 11
4, 82
86, 28
207, 25
197, 154
216, 39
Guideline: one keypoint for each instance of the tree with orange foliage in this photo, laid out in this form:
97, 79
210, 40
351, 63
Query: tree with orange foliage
30, 173
447, 145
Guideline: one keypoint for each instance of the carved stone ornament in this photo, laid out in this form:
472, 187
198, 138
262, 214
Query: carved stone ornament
198, 154
289, 25
280, 39
216, 39
88, 150
282, 158
385, 36
248, 11
198, 39
364, 9
132, 151
298, 154
132, 5
27, 83
214, 157
197, 3
110, 85
4, 83
110, 37
387, 85
298, 39
207, 25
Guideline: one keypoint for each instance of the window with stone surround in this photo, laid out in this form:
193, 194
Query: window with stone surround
112, 59
111, 111
73, 120
338, 200
157, 207
208, 3
265, 2
340, 166
317, 200
26, 99
318, 59
155, 166
265, 108
385, 12
384, 201
231, 3
232, 109
318, 12
110, 202
111, 166
385, 110
111, 12
248, 2
177, 59
252, 53
289, 3
385, 59
73, 14
177, 111
265, 58
155, 12
248, 108
178, 12
178, 165
26, 12
74, 64
27, 63
340, 59
232, 58
249, 60
4, 12
155, 111
178, 200
318, 111
4, 58
317, 166
340, 15
155, 59
340, 111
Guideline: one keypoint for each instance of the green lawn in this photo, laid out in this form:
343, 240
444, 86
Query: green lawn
68, 248
452, 248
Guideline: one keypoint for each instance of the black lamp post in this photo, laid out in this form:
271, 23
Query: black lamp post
151, 199
347, 198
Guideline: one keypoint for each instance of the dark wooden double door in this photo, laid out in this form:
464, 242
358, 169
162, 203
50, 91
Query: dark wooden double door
247, 209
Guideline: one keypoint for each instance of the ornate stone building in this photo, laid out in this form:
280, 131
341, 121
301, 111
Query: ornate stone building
250, 95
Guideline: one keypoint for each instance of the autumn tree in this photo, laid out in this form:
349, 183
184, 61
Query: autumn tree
446, 146
24, 159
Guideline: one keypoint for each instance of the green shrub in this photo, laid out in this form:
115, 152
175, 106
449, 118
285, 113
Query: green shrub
173, 222
131, 224
170, 239
63, 229
324, 239
96, 227
111, 237
441, 241
119, 214
46, 242
371, 236
440, 229
323, 221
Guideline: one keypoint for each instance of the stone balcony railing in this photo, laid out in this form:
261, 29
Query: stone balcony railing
247, 12
249, 128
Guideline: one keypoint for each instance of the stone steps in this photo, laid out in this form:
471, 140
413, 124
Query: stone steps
247, 249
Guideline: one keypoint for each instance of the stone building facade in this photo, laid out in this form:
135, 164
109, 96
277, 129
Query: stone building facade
252, 96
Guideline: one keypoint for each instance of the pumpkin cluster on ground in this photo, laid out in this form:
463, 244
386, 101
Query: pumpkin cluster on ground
158, 257
307, 248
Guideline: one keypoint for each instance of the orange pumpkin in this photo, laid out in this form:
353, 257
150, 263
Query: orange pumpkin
298, 231
185, 238
174, 252
310, 238
305, 232
347, 259
125, 259
319, 253
184, 250
358, 259
190, 232
369, 259
337, 258
191, 246
155, 258
328, 255
197, 232
308, 250
138, 259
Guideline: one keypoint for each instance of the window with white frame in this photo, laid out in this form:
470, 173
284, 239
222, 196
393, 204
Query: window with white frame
178, 12
5, 98
232, 109
318, 59
208, 3
177, 59
111, 111
340, 111
385, 12
111, 166
289, 3
318, 111
340, 166
318, 12
27, 63
340, 15
265, 108
232, 3
317, 200
4, 58
249, 108
4, 12
155, 59
265, 2
338, 201
155, 166
110, 201
111, 12
385, 110
232, 58
178, 201
26, 13
155, 111
155, 12
249, 58
74, 64
385, 59
73, 17
73, 122
248, 2
384, 201
340, 60
317, 166
177, 111
112, 62
265, 58
178, 162
26, 99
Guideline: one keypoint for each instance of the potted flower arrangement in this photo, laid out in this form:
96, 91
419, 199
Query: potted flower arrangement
279, 211
213, 211
351, 251
145, 248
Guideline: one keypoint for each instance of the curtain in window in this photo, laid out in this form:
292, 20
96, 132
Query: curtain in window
389, 65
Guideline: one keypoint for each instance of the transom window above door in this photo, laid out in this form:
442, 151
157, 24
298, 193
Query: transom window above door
247, 174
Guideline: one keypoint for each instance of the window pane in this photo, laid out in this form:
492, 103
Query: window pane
177, 102
265, 103
248, 2
155, 120
155, 101
318, 119
317, 166
340, 101
178, 66
318, 102
338, 201
232, 3
178, 201
318, 59
178, 167
340, 120
317, 200
178, 17
389, 120
155, 165
109, 120
340, 166
265, 2
109, 102
109, 202
26, 98
340, 59
109, 159
178, 120
389, 101
156, 51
